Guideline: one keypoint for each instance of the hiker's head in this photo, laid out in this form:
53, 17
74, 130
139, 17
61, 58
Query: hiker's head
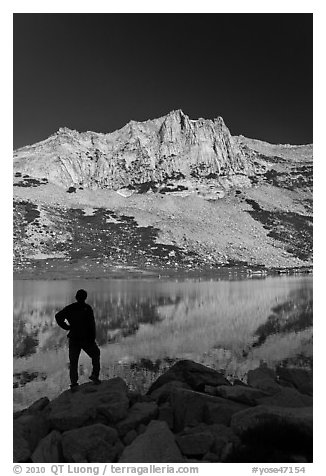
81, 295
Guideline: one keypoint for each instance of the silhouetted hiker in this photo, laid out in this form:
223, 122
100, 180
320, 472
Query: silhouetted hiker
81, 324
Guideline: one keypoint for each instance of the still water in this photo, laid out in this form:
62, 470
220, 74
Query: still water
143, 325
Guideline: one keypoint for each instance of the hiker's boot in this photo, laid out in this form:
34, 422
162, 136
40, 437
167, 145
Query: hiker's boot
74, 387
95, 379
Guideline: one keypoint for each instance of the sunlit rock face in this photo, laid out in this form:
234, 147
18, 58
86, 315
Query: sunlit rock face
172, 146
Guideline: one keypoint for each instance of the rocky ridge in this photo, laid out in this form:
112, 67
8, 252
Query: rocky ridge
191, 195
190, 414
171, 147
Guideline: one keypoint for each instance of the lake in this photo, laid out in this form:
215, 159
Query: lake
144, 325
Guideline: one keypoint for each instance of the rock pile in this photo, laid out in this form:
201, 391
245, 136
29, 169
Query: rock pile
190, 414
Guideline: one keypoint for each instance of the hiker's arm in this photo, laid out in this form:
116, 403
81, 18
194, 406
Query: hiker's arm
60, 317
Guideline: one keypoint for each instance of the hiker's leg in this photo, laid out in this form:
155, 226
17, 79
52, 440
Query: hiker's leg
93, 352
74, 351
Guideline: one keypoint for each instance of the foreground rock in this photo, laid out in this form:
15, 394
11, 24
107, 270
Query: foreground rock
163, 393
106, 403
286, 397
191, 408
264, 379
156, 445
196, 376
300, 379
250, 418
28, 430
35, 408
139, 413
197, 418
94, 444
213, 442
241, 393
49, 449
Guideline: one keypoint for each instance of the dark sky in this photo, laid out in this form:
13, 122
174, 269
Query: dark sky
98, 71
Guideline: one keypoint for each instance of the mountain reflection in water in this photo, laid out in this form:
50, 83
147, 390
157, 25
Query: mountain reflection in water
146, 324
116, 317
294, 315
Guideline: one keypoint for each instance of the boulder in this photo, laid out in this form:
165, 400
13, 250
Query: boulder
221, 442
273, 434
188, 408
210, 457
141, 412
28, 430
227, 450
193, 374
141, 429
49, 449
93, 444
221, 412
255, 416
264, 379
287, 397
156, 445
119, 447
38, 406
301, 379
134, 397
240, 393
237, 381
224, 440
223, 437
21, 448
165, 413
195, 444
163, 393
284, 383
129, 437
191, 408
210, 390
105, 403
